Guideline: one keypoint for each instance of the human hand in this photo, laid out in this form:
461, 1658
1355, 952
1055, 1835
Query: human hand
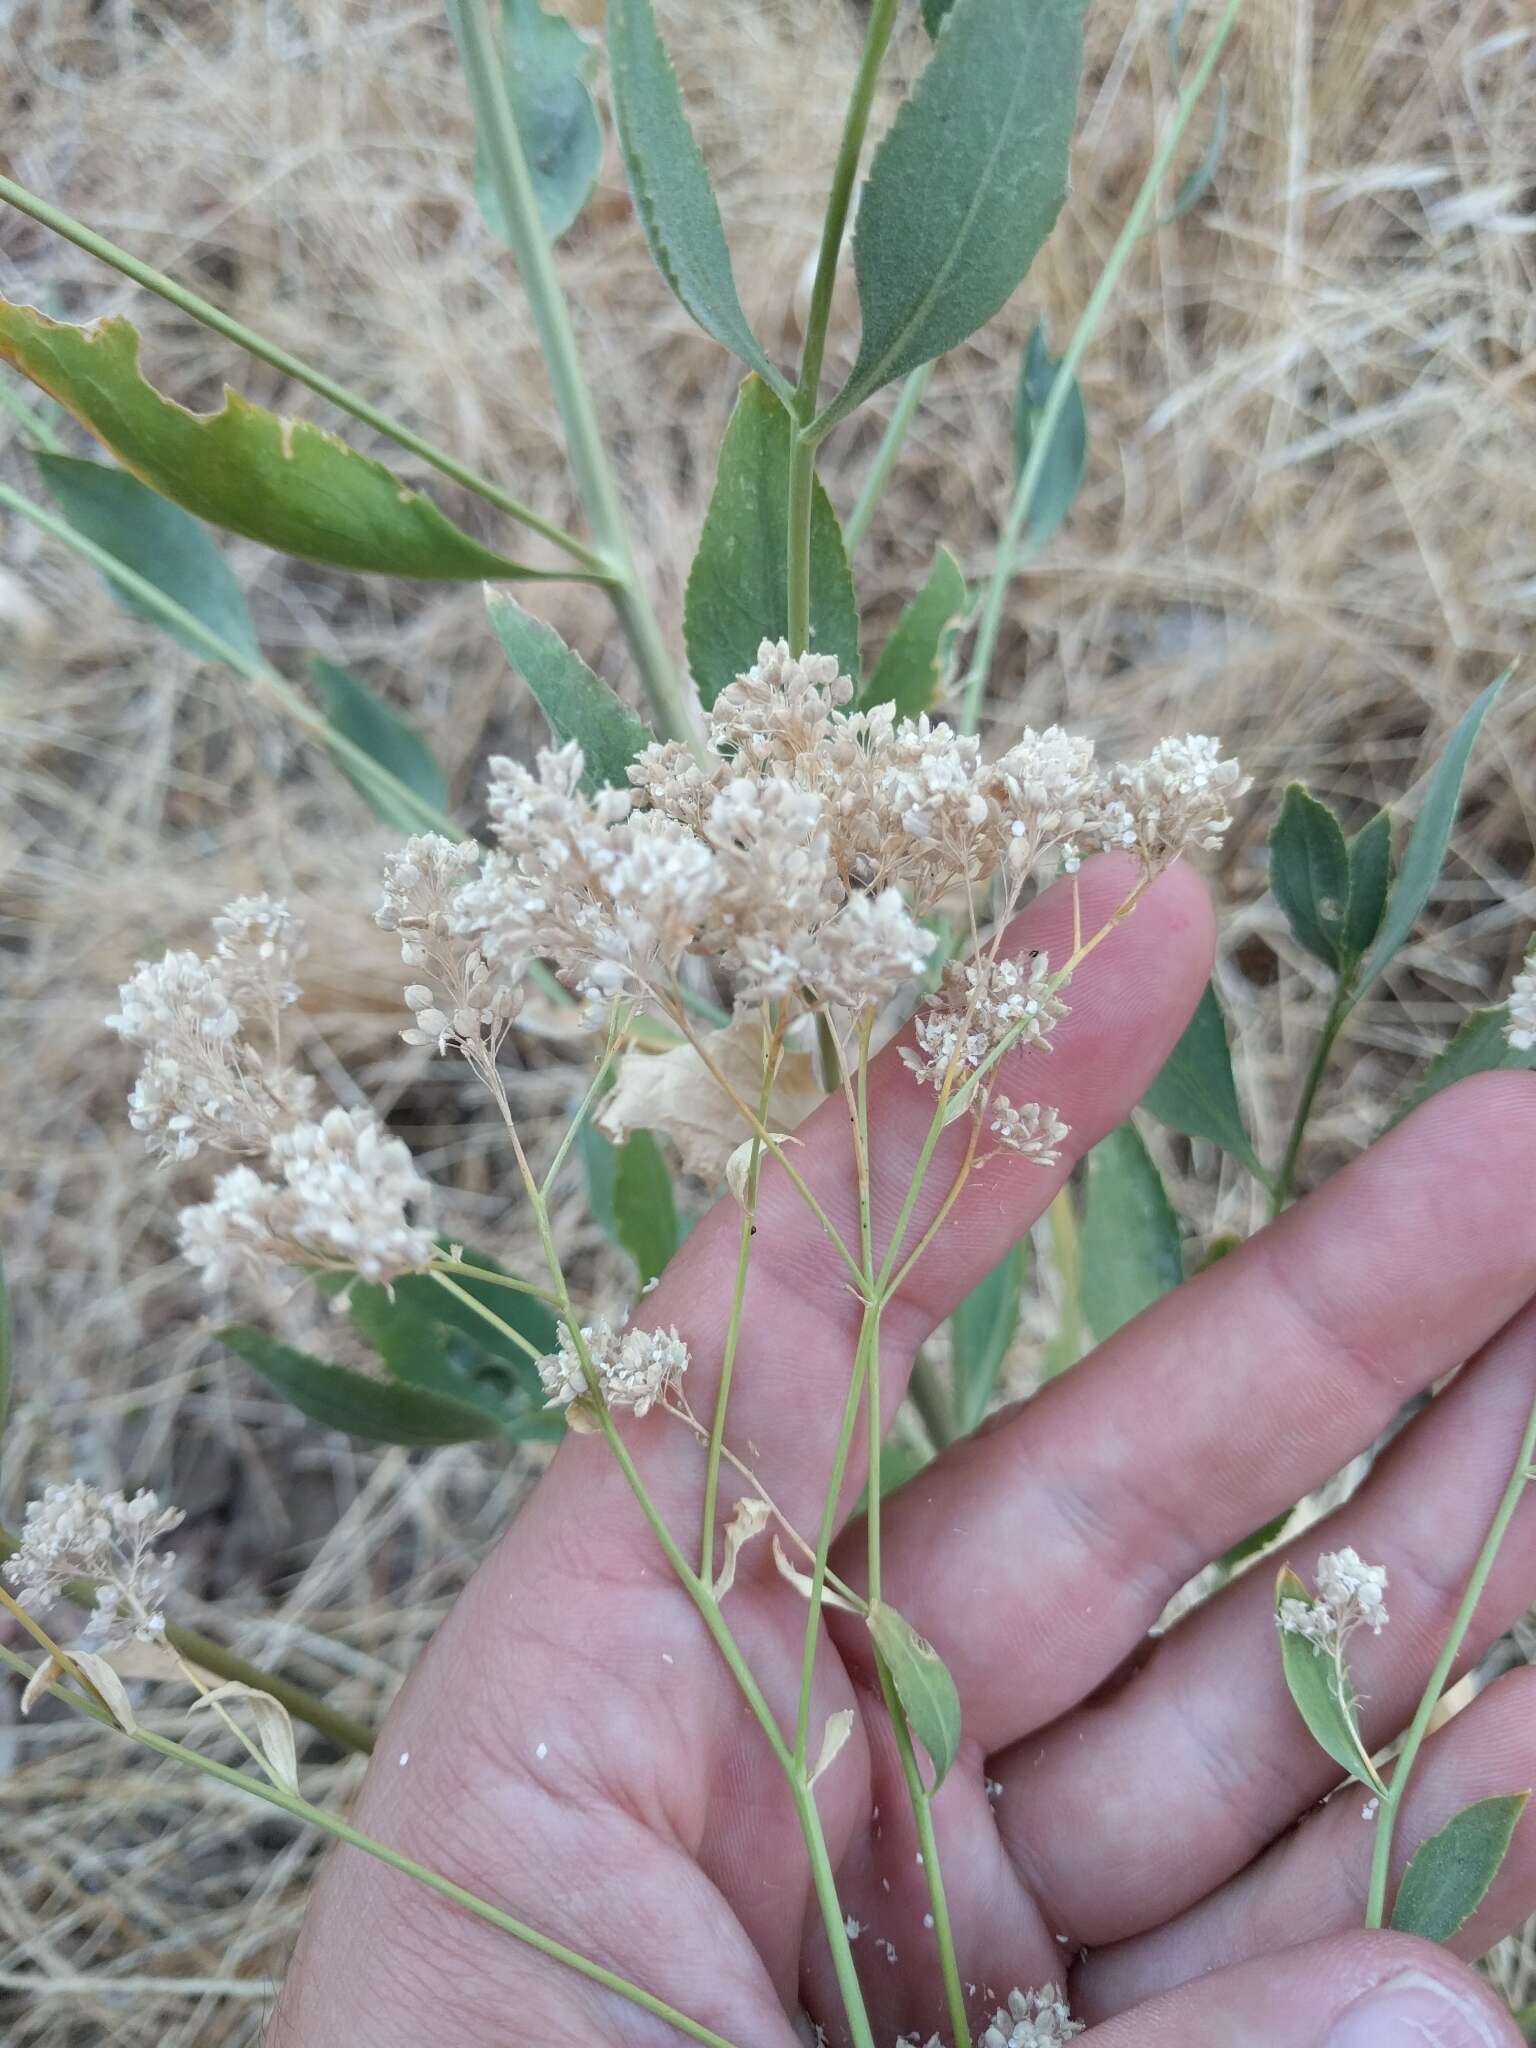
1124, 1816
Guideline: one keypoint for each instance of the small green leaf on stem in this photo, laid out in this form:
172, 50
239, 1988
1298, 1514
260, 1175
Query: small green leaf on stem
981, 1330
645, 1213
384, 1410
1481, 1046
158, 541
923, 1685
383, 735
1309, 874
1131, 1254
1196, 1092
579, 705
1061, 474
284, 482
1320, 1685
1449, 1875
738, 587
915, 662
1370, 877
547, 66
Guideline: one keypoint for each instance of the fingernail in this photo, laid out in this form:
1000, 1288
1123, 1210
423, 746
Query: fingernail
1413, 2011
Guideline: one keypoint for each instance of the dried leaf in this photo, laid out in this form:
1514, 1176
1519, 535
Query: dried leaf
834, 1741
803, 1582
46, 1674
274, 1730
750, 1519
113, 1692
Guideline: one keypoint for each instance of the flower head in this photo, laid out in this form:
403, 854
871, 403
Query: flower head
1176, 801
1029, 1129
634, 1371
77, 1532
1521, 1028
980, 1005
260, 944
1349, 1596
1034, 2019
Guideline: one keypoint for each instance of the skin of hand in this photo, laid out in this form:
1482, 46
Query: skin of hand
1138, 1818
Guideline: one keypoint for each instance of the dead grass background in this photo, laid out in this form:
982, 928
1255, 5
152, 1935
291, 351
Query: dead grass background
1309, 524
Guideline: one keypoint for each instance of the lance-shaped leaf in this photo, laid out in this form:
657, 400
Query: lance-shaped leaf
738, 587
1309, 873
914, 662
579, 705
1370, 877
364, 719
547, 66
431, 1339
981, 1330
1061, 473
966, 185
1481, 1046
1431, 835
923, 1685
1449, 1875
1196, 1092
284, 482
158, 541
385, 1410
671, 187
645, 1214
1322, 1690
1131, 1254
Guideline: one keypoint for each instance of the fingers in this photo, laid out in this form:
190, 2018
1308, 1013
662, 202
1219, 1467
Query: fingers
1314, 1882
1037, 1555
1355, 1991
792, 1372
1201, 1757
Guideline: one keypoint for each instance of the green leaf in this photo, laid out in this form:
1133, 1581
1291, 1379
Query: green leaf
671, 187
1430, 837
525, 1313
965, 186
547, 66
1324, 1698
911, 670
981, 1330
923, 1685
1309, 873
428, 1338
600, 1165
1479, 1047
935, 12
1370, 877
1061, 476
645, 1215
384, 1410
1449, 1875
1259, 1540
1196, 1092
1131, 1255
158, 541
579, 705
738, 587
358, 715
284, 482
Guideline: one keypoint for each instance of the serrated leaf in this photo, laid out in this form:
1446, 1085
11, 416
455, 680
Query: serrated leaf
1061, 475
1195, 186
1431, 835
1324, 1697
645, 1214
359, 716
1479, 1047
981, 1330
914, 662
284, 482
1450, 1874
965, 186
738, 587
670, 183
384, 1410
158, 541
1131, 1254
579, 705
547, 66
1370, 877
1196, 1092
1309, 874
923, 1685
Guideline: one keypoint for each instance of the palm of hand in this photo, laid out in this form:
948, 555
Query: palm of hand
574, 1746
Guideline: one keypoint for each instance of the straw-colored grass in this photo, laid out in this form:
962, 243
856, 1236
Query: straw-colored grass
1307, 525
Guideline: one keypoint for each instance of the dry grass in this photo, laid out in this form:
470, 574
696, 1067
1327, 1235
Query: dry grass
1307, 525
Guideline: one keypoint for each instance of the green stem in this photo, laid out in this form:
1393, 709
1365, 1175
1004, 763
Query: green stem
490, 1279
486, 1315
508, 168
802, 493
1418, 1728
824, 1537
293, 366
1338, 1010
1061, 385
857, 523
315, 1816
928, 1848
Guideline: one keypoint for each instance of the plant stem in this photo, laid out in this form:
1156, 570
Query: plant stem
486, 1315
857, 523
293, 366
1418, 1728
975, 686
1338, 1010
508, 167
938, 1900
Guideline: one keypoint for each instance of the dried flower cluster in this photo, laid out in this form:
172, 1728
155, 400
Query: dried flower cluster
635, 1370
1521, 1029
1034, 2019
75, 1532
338, 1192
1349, 1596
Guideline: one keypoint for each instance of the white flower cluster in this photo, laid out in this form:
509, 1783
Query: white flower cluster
1034, 2019
464, 1005
1521, 1029
75, 1532
1349, 1596
979, 1005
634, 1370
